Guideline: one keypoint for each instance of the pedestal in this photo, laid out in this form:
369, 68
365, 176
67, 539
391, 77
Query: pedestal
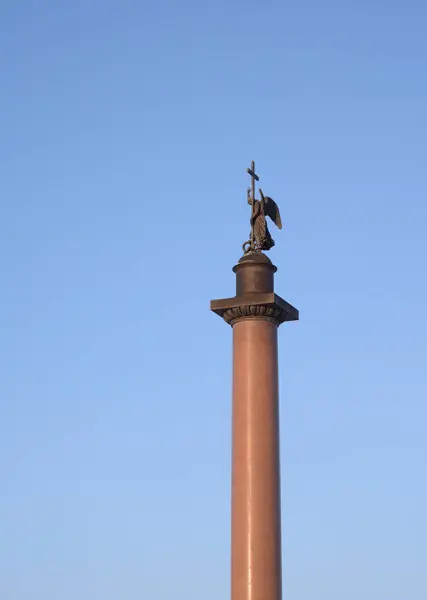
255, 314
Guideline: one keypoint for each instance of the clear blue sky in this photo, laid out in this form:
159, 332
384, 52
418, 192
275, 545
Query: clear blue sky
126, 129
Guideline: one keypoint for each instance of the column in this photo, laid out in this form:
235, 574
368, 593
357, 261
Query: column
255, 314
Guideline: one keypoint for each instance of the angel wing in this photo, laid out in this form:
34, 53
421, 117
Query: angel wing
272, 210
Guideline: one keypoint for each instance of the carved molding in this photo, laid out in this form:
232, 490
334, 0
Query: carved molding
266, 312
267, 306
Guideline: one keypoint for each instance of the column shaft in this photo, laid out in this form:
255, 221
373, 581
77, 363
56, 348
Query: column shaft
256, 525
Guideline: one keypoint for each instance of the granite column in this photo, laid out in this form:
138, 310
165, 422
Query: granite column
255, 314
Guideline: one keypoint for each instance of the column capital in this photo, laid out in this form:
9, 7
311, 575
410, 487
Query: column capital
266, 306
255, 297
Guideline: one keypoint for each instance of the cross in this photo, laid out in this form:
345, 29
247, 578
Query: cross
254, 176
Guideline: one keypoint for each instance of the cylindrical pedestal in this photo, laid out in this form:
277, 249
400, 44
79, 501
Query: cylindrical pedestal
256, 537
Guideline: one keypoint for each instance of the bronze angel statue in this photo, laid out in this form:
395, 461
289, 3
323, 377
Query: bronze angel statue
260, 236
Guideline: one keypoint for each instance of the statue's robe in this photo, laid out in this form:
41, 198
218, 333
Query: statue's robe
263, 239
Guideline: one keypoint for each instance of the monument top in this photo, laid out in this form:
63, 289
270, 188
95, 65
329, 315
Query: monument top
260, 237
255, 296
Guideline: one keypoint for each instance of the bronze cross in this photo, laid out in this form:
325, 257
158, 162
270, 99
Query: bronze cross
254, 176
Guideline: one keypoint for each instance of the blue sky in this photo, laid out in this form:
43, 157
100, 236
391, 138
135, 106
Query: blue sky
126, 130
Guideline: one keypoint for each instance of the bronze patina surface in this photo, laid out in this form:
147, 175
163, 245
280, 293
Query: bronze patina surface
260, 238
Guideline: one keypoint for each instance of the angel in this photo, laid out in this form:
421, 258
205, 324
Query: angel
260, 236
